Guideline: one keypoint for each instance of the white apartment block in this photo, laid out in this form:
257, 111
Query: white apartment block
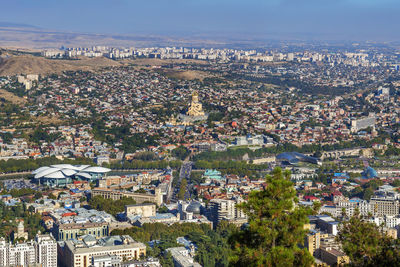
41, 251
46, 250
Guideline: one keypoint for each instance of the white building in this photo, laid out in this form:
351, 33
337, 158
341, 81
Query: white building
357, 125
42, 251
46, 250
83, 253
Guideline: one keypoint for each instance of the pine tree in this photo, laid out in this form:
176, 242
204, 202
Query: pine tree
366, 244
275, 229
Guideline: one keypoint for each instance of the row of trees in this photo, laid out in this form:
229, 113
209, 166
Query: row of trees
14, 165
182, 189
141, 164
231, 167
20, 165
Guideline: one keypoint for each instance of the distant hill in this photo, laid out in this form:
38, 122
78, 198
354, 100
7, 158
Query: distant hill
27, 64
16, 25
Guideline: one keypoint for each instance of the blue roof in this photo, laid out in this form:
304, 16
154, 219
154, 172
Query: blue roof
296, 157
369, 172
162, 216
341, 174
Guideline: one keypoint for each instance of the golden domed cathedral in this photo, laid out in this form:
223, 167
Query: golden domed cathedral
194, 114
195, 108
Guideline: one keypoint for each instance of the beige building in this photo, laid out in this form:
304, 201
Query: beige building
384, 206
157, 198
73, 230
195, 108
79, 253
333, 257
145, 210
313, 241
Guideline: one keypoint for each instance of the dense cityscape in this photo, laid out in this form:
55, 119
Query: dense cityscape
149, 160
199, 133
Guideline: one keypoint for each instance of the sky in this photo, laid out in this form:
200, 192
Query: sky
375, 20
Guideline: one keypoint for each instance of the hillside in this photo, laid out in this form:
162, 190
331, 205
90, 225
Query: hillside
27, 64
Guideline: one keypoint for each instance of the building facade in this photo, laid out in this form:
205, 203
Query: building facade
80, 253
42, 251
68, 231
157, 198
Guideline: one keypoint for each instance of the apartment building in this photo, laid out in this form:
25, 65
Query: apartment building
41, 251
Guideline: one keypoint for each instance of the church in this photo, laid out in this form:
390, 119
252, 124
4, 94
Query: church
195, 111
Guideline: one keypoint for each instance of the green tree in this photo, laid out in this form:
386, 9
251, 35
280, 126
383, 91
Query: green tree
182, 189
276, 227
366, 244
180, 152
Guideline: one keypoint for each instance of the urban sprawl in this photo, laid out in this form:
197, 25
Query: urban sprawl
148, 161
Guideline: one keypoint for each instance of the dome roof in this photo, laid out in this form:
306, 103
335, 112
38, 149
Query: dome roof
46, 172
96, 169
60, 171
40, 169
194, 207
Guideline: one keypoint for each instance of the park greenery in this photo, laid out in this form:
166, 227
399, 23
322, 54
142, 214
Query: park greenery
182, 189
180, 152
110, 206
213, 248
232, 167
8, 222
40, 135
113, 135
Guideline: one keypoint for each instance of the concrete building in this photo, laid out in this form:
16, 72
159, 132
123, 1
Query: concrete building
388, 206
182, 257
42, 252
157, 198
145, 210
325, 223
313, 241
359, 124
68, 231
106, 261
46, 250
224, 209
82, 253
333, 257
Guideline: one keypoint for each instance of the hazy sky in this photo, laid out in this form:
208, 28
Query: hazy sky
320, 19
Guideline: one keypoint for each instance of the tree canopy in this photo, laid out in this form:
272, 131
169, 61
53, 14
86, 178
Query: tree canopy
366, 244
275, 229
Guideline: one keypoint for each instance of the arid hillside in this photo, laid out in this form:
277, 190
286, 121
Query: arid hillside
27, 64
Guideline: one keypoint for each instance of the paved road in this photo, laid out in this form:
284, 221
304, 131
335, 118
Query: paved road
185, 172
